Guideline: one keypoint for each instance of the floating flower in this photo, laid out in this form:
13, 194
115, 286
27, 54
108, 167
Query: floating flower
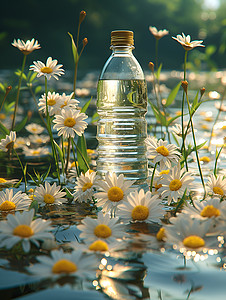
49, 194
69, 122
34, 128
161, 151
7, 182
186, 43
68, 101
20, 142
35, 152
61, 264
51, 68
53, 101
38, 139
175, 183
115, 190
103, 228
28, 47
9, 202
217, 185
158, 34
141, 207
21, 228
8, 142
84, 188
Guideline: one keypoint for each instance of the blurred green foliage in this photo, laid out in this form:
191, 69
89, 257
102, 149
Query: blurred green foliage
50, 21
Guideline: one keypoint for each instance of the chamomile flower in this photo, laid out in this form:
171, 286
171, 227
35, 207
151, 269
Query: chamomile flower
103, 228
158, 176
21, 228
21, 142
177, 129
51, 68
8, 142
175, 183
161, 151
68, 101
40, 151
53, 101
141, 207
49, 194
158, 34
34, 128
186, 43
84, 187
9, 202
70, 122
217, 185
7, 182
60, 264
38, 139
26, 47
114, 191
153, 242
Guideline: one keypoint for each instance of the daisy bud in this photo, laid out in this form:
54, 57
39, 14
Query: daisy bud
202, 91
151, 66
184, 85
82, 16
29, 114
84, 42
8, 89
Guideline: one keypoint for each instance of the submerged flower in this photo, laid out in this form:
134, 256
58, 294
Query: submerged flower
34, 128
61, 264
51, 68
69, 122
38, 139
186, 43
217, 185
49, 194
35, 152
115, 190
141, 207
53, 101
8, 142
9, 202
175, 183
21, 228
158, 34
103, 228
28, 47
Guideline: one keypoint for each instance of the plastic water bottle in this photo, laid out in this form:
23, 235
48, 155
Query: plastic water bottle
122, 105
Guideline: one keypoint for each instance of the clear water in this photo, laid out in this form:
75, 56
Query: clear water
122, 129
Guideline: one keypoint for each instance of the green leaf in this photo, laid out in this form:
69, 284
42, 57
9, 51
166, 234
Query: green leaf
18, 73
44, 175
95, 117
38, 89
159, 116
2, 87
86, 105
210, 50
173, 94
34, 204
157, 74
200, 145
82, 155
74, 48
3, 129
175, 139
20, 125
171, 120
60, 152
33, 76
195, 102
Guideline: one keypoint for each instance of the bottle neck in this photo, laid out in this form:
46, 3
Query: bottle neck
122, 49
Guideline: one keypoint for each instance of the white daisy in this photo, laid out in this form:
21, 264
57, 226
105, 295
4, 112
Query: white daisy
141, 207
38, 139
49, 69
49, 194
34, 128
85, 185
186, 43
53, 101
21, 228
158, 176
152, 242
8, 142
217, 185
28, 47
35, 152
177, 129
115, 190
175, 183
60, 264
161, 151
7, 182
68, 101
8, 201
103, 228
21, 142
158, 34
69, 122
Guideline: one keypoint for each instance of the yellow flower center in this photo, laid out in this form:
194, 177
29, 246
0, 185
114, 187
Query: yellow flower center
164, 172
115, 194
193, 241
23, 231
87, 186
175, 185
161, 234
49, 199
140, 213
7, 205
63, 105
205, 159
2, 180
157, 186
64, 266
162, 150
46, 70
36, 152
90, 151
51, 102
39, 140
2, 116
210, 211
98, 246
218, 190
69, 122
102, 231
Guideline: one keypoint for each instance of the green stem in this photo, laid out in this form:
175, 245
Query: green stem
73, 150
18, 92
23, 170
217, 156
77, 148
152, 177
68, 154
156, 53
